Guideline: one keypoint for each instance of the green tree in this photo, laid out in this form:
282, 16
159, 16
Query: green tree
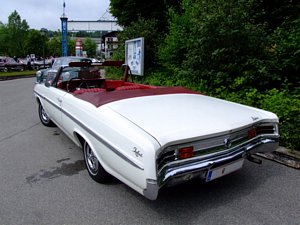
17, 31
82, 34
34, 43
54, 46
4, 47
221, 49
143, 19
274, 13
71, 46
129, 11
286, 49
90, 47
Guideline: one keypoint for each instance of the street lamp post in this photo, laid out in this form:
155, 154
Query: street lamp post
44, 33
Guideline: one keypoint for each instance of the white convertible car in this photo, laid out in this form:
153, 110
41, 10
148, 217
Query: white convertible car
150, 137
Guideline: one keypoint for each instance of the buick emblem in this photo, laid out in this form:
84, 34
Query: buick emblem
227, 142
137, 152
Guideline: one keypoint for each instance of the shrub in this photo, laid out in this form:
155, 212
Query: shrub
284, 104
287, 52
287, 108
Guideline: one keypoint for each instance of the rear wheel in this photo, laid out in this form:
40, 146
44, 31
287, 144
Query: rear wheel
44, 117
96, 171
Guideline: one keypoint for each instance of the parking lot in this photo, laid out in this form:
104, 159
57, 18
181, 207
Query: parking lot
43, 180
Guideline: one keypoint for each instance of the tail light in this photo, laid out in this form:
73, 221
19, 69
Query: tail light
252, 133
186, 152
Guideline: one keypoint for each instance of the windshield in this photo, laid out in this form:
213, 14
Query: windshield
69, 73
64, 61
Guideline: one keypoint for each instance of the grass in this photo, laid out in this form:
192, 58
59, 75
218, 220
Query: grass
17, 73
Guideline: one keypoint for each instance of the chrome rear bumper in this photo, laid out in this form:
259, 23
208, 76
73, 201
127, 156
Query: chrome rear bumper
179, 173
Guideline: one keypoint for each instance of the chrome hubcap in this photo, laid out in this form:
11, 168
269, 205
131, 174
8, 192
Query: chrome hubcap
44, 115
91, 160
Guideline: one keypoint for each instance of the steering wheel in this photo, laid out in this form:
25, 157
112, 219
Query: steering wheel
69, 81
84, 83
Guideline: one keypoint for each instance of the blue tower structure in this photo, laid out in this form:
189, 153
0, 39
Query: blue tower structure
64, 32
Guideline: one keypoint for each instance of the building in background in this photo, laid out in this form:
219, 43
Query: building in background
107, 41
110, 41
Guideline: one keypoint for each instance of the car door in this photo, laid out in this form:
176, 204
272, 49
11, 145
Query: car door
52, 99
58, 92
55, 99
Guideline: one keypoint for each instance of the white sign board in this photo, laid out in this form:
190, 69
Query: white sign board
134, 55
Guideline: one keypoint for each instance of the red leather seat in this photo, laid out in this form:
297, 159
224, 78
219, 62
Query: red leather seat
113, 84
81, 91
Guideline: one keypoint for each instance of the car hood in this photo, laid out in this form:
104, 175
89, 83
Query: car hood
185, 117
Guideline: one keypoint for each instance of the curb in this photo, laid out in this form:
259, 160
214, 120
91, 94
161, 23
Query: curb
3, 78
283, 156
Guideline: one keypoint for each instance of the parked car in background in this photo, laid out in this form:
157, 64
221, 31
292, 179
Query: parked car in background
58, 63
8, 64
150, 137
39, 64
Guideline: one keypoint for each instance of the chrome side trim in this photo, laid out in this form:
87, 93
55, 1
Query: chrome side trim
96, 136
104, 142
48, 100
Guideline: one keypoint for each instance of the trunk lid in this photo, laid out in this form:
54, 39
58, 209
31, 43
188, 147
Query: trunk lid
175, 118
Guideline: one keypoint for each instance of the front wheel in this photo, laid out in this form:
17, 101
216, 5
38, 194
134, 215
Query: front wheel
96, 171
44, 117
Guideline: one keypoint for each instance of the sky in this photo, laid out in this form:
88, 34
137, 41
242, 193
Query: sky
46, 14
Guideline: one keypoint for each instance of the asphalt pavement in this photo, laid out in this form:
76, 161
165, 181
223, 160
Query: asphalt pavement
43, 180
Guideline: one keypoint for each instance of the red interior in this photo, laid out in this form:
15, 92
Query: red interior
104, 97
107, 85
100, 91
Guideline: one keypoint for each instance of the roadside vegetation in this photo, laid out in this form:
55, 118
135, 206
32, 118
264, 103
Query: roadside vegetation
17, 73
245, 51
